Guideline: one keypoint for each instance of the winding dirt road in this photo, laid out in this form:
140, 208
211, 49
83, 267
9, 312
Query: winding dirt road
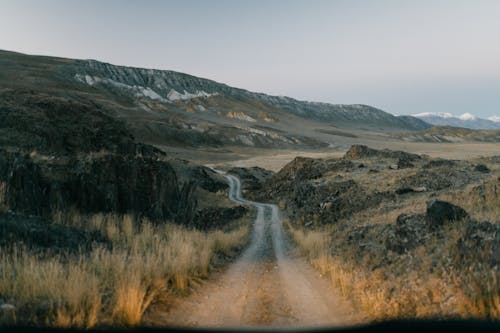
267, 286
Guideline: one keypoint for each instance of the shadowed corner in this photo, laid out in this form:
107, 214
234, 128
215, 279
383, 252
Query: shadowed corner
394, 326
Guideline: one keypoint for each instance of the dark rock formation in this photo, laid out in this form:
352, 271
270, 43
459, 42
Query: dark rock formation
360, 151
49, 124
299, 169
37, 233
481, 168
217, 217
112, 183
439, 213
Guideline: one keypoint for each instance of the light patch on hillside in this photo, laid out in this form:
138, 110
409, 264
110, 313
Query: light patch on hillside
142, 92
174, 95
240, 115
137, 91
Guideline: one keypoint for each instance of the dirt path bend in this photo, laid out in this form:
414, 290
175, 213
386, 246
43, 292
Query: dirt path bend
266, 286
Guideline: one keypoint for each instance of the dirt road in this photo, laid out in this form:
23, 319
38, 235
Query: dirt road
267, 286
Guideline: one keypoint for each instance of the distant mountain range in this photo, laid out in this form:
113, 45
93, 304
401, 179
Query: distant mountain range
465, 120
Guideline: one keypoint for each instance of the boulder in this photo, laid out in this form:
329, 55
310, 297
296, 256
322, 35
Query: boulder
110, 183
481, 168
441, 212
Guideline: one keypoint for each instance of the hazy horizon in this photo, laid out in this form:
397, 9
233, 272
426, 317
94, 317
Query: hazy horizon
404, 57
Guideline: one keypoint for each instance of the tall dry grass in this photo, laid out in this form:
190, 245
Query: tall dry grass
394, 292
110, 285
483, 202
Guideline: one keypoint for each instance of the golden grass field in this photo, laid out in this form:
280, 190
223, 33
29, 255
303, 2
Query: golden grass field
109, 286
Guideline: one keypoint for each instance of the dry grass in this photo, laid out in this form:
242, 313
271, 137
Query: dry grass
389, 211
399, 291
483, 203
109, 286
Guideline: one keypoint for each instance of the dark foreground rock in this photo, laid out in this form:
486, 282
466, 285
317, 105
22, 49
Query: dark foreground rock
39, 234
441, 212
360, 151
217, 217
112, 183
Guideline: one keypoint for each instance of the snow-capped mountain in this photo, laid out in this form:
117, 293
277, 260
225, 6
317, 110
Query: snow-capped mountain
466, 120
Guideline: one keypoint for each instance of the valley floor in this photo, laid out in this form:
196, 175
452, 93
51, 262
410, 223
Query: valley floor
275, 159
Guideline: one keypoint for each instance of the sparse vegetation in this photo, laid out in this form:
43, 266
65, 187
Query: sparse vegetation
400, 291
483, 201
389, 258
109, 285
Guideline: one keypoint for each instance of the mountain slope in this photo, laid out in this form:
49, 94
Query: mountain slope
168, 108
169, 86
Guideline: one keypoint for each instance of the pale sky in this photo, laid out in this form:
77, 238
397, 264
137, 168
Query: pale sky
402, 56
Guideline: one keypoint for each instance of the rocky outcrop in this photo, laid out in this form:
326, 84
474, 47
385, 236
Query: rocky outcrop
481, 168
217, 217
39, 234
357, 152
112, 183
439, 213
57, 125
252, 178
300, 169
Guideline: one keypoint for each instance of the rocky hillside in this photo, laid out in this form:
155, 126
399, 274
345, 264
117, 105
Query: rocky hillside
322, 191
64, 148
401, 235
169, 86
175, 109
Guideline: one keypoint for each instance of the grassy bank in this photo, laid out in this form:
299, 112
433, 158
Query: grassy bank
432, 280
394, 292
112, 284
